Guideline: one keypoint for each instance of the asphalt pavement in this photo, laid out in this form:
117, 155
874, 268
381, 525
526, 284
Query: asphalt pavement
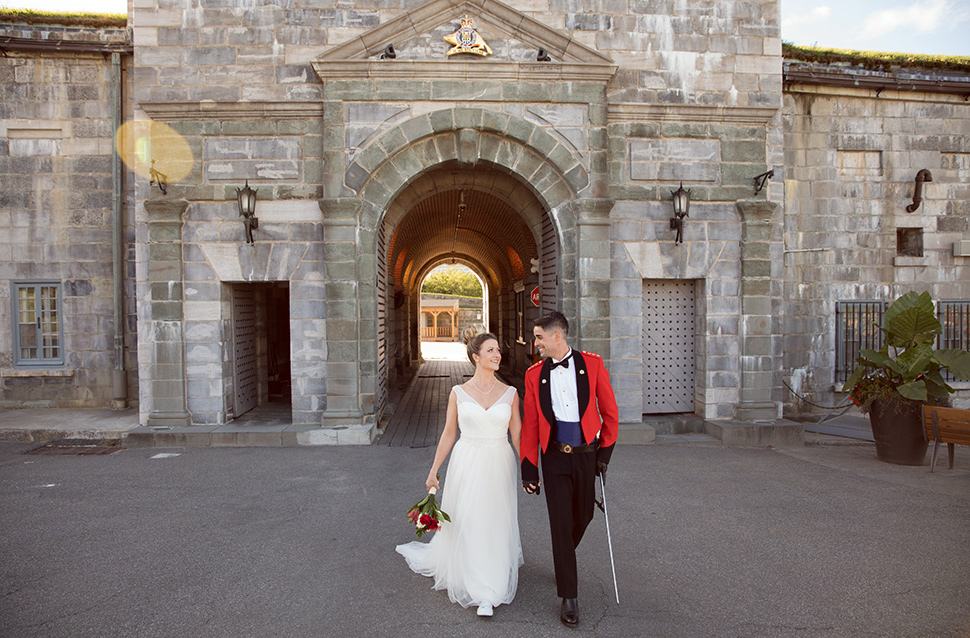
710, 541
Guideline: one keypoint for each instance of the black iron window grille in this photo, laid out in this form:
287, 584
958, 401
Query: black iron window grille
954, 316
856, 328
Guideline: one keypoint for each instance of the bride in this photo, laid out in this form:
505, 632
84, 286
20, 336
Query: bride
477, 556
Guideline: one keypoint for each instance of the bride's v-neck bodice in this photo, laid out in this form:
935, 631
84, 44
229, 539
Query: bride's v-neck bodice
477, 422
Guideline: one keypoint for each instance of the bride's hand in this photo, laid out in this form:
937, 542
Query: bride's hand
432, 480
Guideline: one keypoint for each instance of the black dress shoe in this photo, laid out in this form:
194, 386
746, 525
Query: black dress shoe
569, 614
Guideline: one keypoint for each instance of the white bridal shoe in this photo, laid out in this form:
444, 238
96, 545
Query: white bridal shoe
484, 610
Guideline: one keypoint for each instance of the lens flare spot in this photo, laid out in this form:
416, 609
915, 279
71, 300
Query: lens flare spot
154, 150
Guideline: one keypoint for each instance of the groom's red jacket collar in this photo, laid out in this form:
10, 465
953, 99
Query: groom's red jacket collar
593, 390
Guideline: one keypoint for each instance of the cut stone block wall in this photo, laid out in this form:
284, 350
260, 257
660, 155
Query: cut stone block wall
851, 162
56, 143
715, 161
714, 52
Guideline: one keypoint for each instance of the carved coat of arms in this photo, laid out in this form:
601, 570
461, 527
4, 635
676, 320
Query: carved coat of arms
467, 40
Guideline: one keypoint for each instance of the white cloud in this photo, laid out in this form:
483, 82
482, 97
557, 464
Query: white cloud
924, 17
817, 14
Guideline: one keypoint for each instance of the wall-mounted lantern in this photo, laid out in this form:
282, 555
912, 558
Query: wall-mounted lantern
922, 176
681, 201
246, 197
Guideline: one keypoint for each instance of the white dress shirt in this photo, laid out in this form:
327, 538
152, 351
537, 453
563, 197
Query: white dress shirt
562, 388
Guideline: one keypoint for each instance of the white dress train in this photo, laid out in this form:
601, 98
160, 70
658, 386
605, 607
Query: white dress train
476, 557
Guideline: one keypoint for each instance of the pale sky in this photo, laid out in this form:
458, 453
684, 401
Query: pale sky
938, 27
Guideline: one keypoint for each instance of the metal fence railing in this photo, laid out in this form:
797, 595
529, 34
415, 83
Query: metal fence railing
954, 316
856, 328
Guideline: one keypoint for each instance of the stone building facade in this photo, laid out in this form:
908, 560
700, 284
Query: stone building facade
63, 94
548, 164
855, 141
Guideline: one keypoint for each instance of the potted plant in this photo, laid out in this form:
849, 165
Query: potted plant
892, 384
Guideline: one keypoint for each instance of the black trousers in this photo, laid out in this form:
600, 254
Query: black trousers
568, 480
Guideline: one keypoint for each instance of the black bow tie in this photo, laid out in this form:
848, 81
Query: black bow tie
564, 363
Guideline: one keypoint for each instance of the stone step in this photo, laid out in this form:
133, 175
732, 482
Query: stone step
280, 435
675, 423
775, 433
689, 429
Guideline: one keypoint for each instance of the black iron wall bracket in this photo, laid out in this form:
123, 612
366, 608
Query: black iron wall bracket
760, 180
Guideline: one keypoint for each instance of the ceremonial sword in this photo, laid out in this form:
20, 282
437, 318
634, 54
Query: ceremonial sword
602, 505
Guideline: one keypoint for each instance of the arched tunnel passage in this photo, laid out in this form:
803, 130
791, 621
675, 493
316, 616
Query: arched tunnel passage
485, 219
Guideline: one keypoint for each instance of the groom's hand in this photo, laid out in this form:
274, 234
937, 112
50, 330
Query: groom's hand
601, 470
531, 487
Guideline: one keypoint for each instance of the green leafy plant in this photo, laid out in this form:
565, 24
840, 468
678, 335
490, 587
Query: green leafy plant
452, 280
65, 18
876, 60
907, 369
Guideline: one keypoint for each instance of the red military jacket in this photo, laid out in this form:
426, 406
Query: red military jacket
597, 407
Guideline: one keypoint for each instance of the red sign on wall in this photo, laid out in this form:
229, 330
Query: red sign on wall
535, 296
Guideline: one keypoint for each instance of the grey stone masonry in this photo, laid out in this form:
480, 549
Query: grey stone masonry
760, 320
851, 159
56, 215
593, 274
343, 313
372, 170
726, 52
169, 407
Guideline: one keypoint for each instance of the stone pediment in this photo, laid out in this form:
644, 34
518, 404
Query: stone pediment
511, 33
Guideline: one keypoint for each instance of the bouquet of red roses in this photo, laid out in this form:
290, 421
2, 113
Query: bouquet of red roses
426, 515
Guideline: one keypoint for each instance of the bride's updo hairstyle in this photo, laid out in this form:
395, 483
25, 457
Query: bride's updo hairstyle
474, 336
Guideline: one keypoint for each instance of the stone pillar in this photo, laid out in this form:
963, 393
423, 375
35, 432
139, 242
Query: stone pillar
351, 326
169, 407
593, 274
761, 326
342, 328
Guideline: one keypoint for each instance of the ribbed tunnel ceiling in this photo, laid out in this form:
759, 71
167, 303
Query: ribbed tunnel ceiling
490, 233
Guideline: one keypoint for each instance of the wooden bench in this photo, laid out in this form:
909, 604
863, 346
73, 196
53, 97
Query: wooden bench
946, 425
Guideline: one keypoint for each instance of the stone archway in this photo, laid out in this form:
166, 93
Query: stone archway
491, 155
449, 214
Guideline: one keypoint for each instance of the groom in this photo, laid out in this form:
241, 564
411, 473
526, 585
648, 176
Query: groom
571, 414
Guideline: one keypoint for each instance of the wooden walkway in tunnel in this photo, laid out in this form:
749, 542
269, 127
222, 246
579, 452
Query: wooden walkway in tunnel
419, 418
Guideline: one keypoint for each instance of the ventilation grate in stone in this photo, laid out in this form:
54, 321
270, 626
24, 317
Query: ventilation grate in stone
78, 447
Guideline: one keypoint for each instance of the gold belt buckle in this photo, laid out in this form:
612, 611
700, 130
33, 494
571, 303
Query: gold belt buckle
567, 448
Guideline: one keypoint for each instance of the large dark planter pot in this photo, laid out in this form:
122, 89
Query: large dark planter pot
898, 431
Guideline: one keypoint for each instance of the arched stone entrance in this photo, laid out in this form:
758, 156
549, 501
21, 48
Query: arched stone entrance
525, 209
480, 216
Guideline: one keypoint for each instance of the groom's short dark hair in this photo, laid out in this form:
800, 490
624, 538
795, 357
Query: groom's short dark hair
553, 321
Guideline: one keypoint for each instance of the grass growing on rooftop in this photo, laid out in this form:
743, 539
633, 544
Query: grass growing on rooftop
875, 59
71, 19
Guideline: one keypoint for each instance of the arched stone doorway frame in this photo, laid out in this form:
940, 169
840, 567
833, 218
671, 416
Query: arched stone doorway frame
376, 176
444, 260
467, 136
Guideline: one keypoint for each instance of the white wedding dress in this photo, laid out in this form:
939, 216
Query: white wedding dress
476, 556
